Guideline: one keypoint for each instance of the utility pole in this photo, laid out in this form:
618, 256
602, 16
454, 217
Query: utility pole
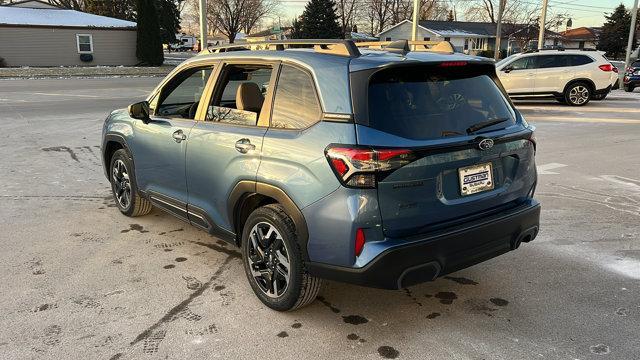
634, 16
543, 20
414, 30
496, 52
203, 24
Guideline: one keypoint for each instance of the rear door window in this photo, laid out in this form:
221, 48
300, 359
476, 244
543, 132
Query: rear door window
241, 92
430, 102
551, 61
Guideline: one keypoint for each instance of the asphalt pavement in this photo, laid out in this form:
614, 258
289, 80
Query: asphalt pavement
81, 281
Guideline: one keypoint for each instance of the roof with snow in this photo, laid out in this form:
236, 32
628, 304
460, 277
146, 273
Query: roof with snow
459, 28
18, 16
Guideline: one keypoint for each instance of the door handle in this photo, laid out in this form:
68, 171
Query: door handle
178, 136
244, 145
531, 74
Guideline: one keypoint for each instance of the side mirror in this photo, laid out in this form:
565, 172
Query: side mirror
507, 69
140, 111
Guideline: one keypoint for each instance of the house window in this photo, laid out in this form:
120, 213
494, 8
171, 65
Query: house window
477, 44
85, 43
426, 38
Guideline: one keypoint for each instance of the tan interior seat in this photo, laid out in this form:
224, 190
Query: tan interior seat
249, 97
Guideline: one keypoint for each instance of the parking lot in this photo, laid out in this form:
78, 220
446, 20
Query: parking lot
80, 280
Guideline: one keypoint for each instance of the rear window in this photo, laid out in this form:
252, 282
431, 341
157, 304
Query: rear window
429, 102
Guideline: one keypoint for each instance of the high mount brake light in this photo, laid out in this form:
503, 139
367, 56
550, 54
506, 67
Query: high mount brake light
452, 63
606, 67
357, 166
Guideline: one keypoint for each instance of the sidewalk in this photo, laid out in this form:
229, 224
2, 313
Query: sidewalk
82, 72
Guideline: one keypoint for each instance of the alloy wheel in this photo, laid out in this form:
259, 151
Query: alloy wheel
269, 259
121, 184
579, 95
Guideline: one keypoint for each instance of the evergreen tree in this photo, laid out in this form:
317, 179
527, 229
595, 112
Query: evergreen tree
615, 32
169, 20
148, 45
296, 29
450, 16
319, 20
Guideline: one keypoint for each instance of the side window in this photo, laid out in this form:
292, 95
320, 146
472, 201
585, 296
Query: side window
181, 96
295, 105
552, 61
577, 60
240, 94
522, 63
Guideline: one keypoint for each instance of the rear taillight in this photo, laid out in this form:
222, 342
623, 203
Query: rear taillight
606, 67
358, 166
359, 243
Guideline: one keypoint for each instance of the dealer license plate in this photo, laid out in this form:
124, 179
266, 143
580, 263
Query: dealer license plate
475, 179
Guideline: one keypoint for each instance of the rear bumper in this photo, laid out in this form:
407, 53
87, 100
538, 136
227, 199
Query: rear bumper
437, 255
603, 91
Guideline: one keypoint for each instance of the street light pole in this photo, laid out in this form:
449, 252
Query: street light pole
543, 20
634, 16
203, 24
496, 52
414, 30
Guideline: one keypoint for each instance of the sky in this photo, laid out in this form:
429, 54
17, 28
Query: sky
583, 12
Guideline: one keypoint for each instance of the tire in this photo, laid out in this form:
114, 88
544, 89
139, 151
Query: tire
598, 97
628, 88
123, 186
577, 94
269, 241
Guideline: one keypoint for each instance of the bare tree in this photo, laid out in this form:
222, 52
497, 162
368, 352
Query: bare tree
256, 11
230, 17
515, 11
346, 10
69, 4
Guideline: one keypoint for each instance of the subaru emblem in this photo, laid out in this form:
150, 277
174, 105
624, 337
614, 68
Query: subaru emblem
485, 144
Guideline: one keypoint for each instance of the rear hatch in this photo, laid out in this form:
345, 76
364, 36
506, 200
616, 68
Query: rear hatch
449, 144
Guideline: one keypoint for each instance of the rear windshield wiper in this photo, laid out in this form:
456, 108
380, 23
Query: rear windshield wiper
484, 124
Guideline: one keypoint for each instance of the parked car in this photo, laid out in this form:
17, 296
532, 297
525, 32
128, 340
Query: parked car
571, 76
620, 70
382, 168
632, 77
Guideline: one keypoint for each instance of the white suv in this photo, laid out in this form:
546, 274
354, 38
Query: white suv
571, 76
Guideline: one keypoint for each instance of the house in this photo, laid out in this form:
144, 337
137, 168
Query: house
581, 38
469, 37
35, 33
275, 33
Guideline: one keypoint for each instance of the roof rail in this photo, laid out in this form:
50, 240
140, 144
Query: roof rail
404, 46
334, 47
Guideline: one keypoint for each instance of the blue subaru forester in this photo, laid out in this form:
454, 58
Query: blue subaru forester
379, 164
